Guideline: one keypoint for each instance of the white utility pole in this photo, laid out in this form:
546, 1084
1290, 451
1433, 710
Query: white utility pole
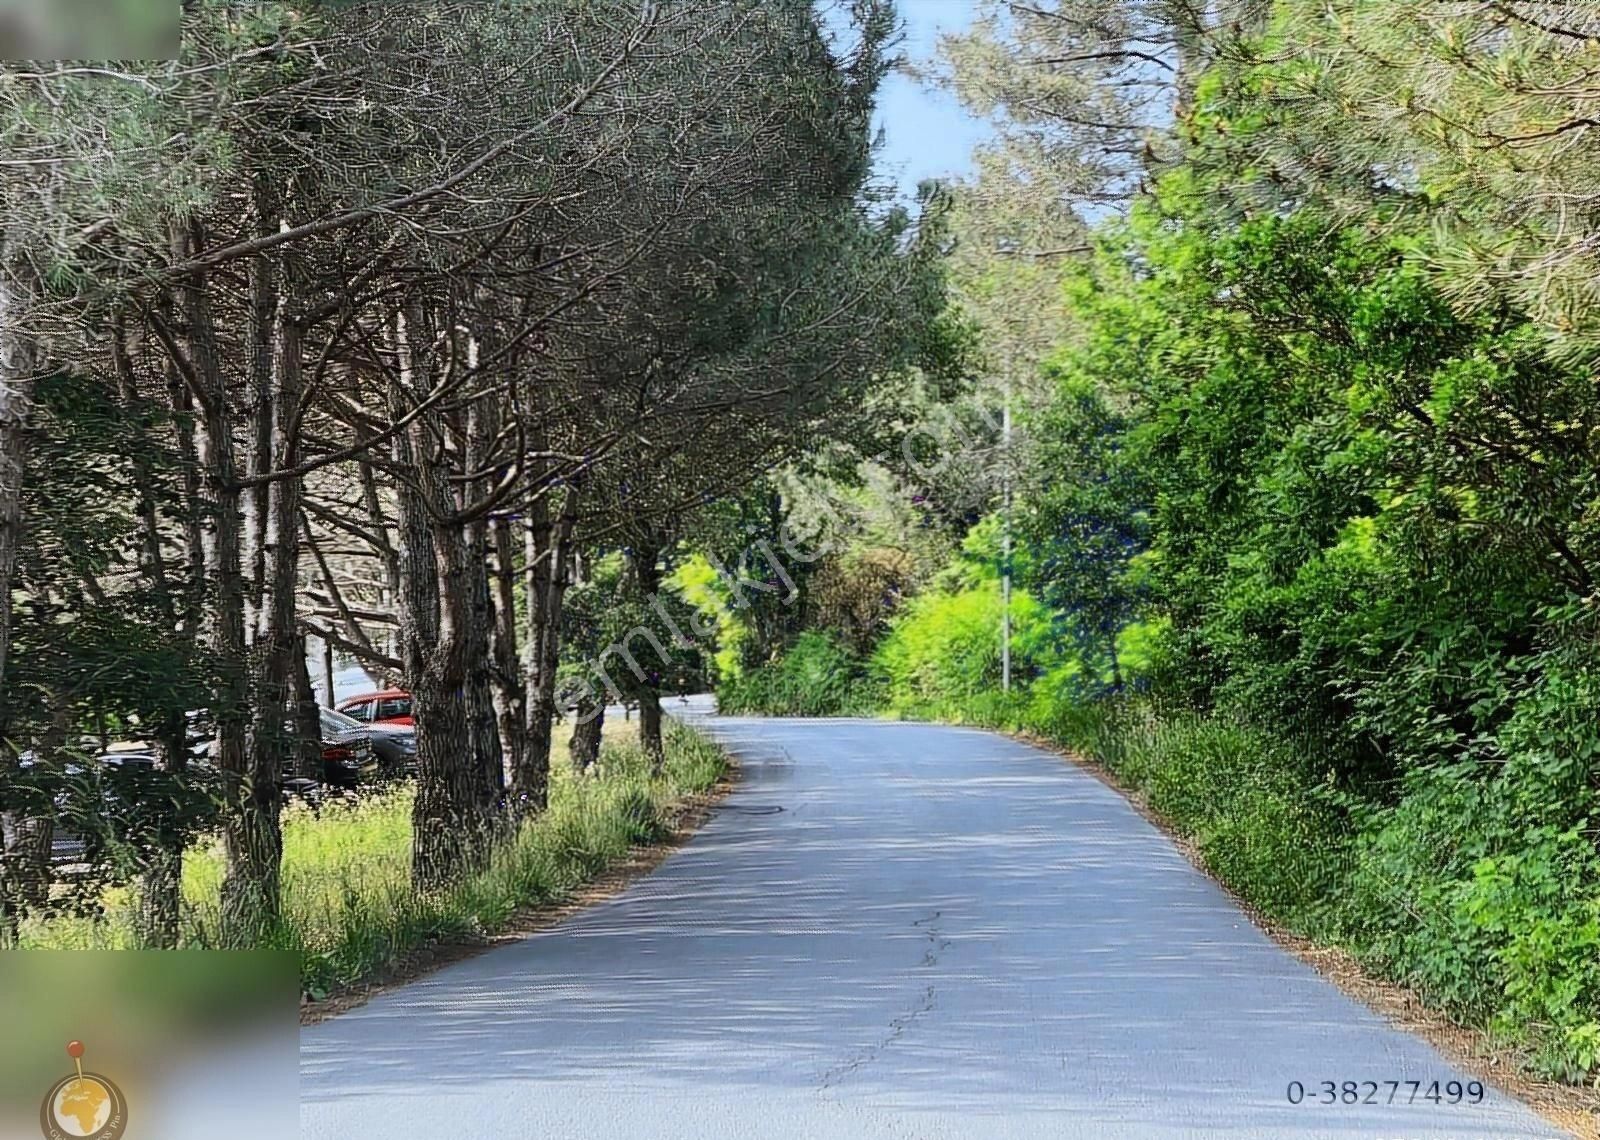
1005, 556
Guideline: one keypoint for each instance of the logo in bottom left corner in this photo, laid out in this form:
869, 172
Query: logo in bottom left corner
83, 1105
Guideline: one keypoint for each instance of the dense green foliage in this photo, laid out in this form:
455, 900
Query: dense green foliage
1369, 526
816, 677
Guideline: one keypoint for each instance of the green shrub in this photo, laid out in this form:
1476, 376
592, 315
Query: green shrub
641, 819
1539, 912
816, 677
942, 655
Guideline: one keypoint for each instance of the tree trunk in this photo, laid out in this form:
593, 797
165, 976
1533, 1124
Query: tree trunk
548, 575
308, 717
650, 727
252, 848
448, 837
191, 605
438, 826
510, 697
328, 697
28, 831
25, 841
18, 364
478, 661
265, 319
278, 653
478, 636
156, 920
587, 734
458, 752
158, 917
646, 559
388, 641
530, 783
451, 818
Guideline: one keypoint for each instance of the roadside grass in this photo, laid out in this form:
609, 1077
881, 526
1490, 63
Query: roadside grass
349, 908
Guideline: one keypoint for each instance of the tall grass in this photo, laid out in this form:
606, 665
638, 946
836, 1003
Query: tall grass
349, 907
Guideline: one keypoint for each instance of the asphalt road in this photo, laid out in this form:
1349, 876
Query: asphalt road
888, 932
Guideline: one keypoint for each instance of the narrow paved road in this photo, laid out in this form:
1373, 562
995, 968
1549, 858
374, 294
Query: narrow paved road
888, 932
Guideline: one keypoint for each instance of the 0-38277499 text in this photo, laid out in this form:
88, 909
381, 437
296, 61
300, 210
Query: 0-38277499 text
1329, 1093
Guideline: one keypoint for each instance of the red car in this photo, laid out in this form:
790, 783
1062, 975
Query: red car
392, 706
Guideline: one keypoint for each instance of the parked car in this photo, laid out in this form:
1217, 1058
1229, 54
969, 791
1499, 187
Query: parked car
112, 785
348, 758
393, 745
391, 706
110, 794
348, 762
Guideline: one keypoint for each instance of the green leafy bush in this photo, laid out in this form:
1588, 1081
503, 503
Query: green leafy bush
942, 655
816, 677
1280, 844
1481, 884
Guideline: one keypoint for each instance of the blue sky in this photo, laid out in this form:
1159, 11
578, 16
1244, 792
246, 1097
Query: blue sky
927, 134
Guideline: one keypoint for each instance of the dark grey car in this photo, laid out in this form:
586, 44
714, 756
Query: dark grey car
394, 745
71, 849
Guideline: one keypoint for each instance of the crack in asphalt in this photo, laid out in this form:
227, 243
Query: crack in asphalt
937, 945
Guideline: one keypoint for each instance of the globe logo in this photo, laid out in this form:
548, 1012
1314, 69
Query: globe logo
83, 1105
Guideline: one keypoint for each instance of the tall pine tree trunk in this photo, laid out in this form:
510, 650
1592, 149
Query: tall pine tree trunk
18, 364
650, 727
510, 696
159, 912
277, 644
458, 758
646, 559
452, 818
478, 650
548, 573
156, 918
251, 847
308, 717
436, 821
26, 832
25, 839
465, 604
